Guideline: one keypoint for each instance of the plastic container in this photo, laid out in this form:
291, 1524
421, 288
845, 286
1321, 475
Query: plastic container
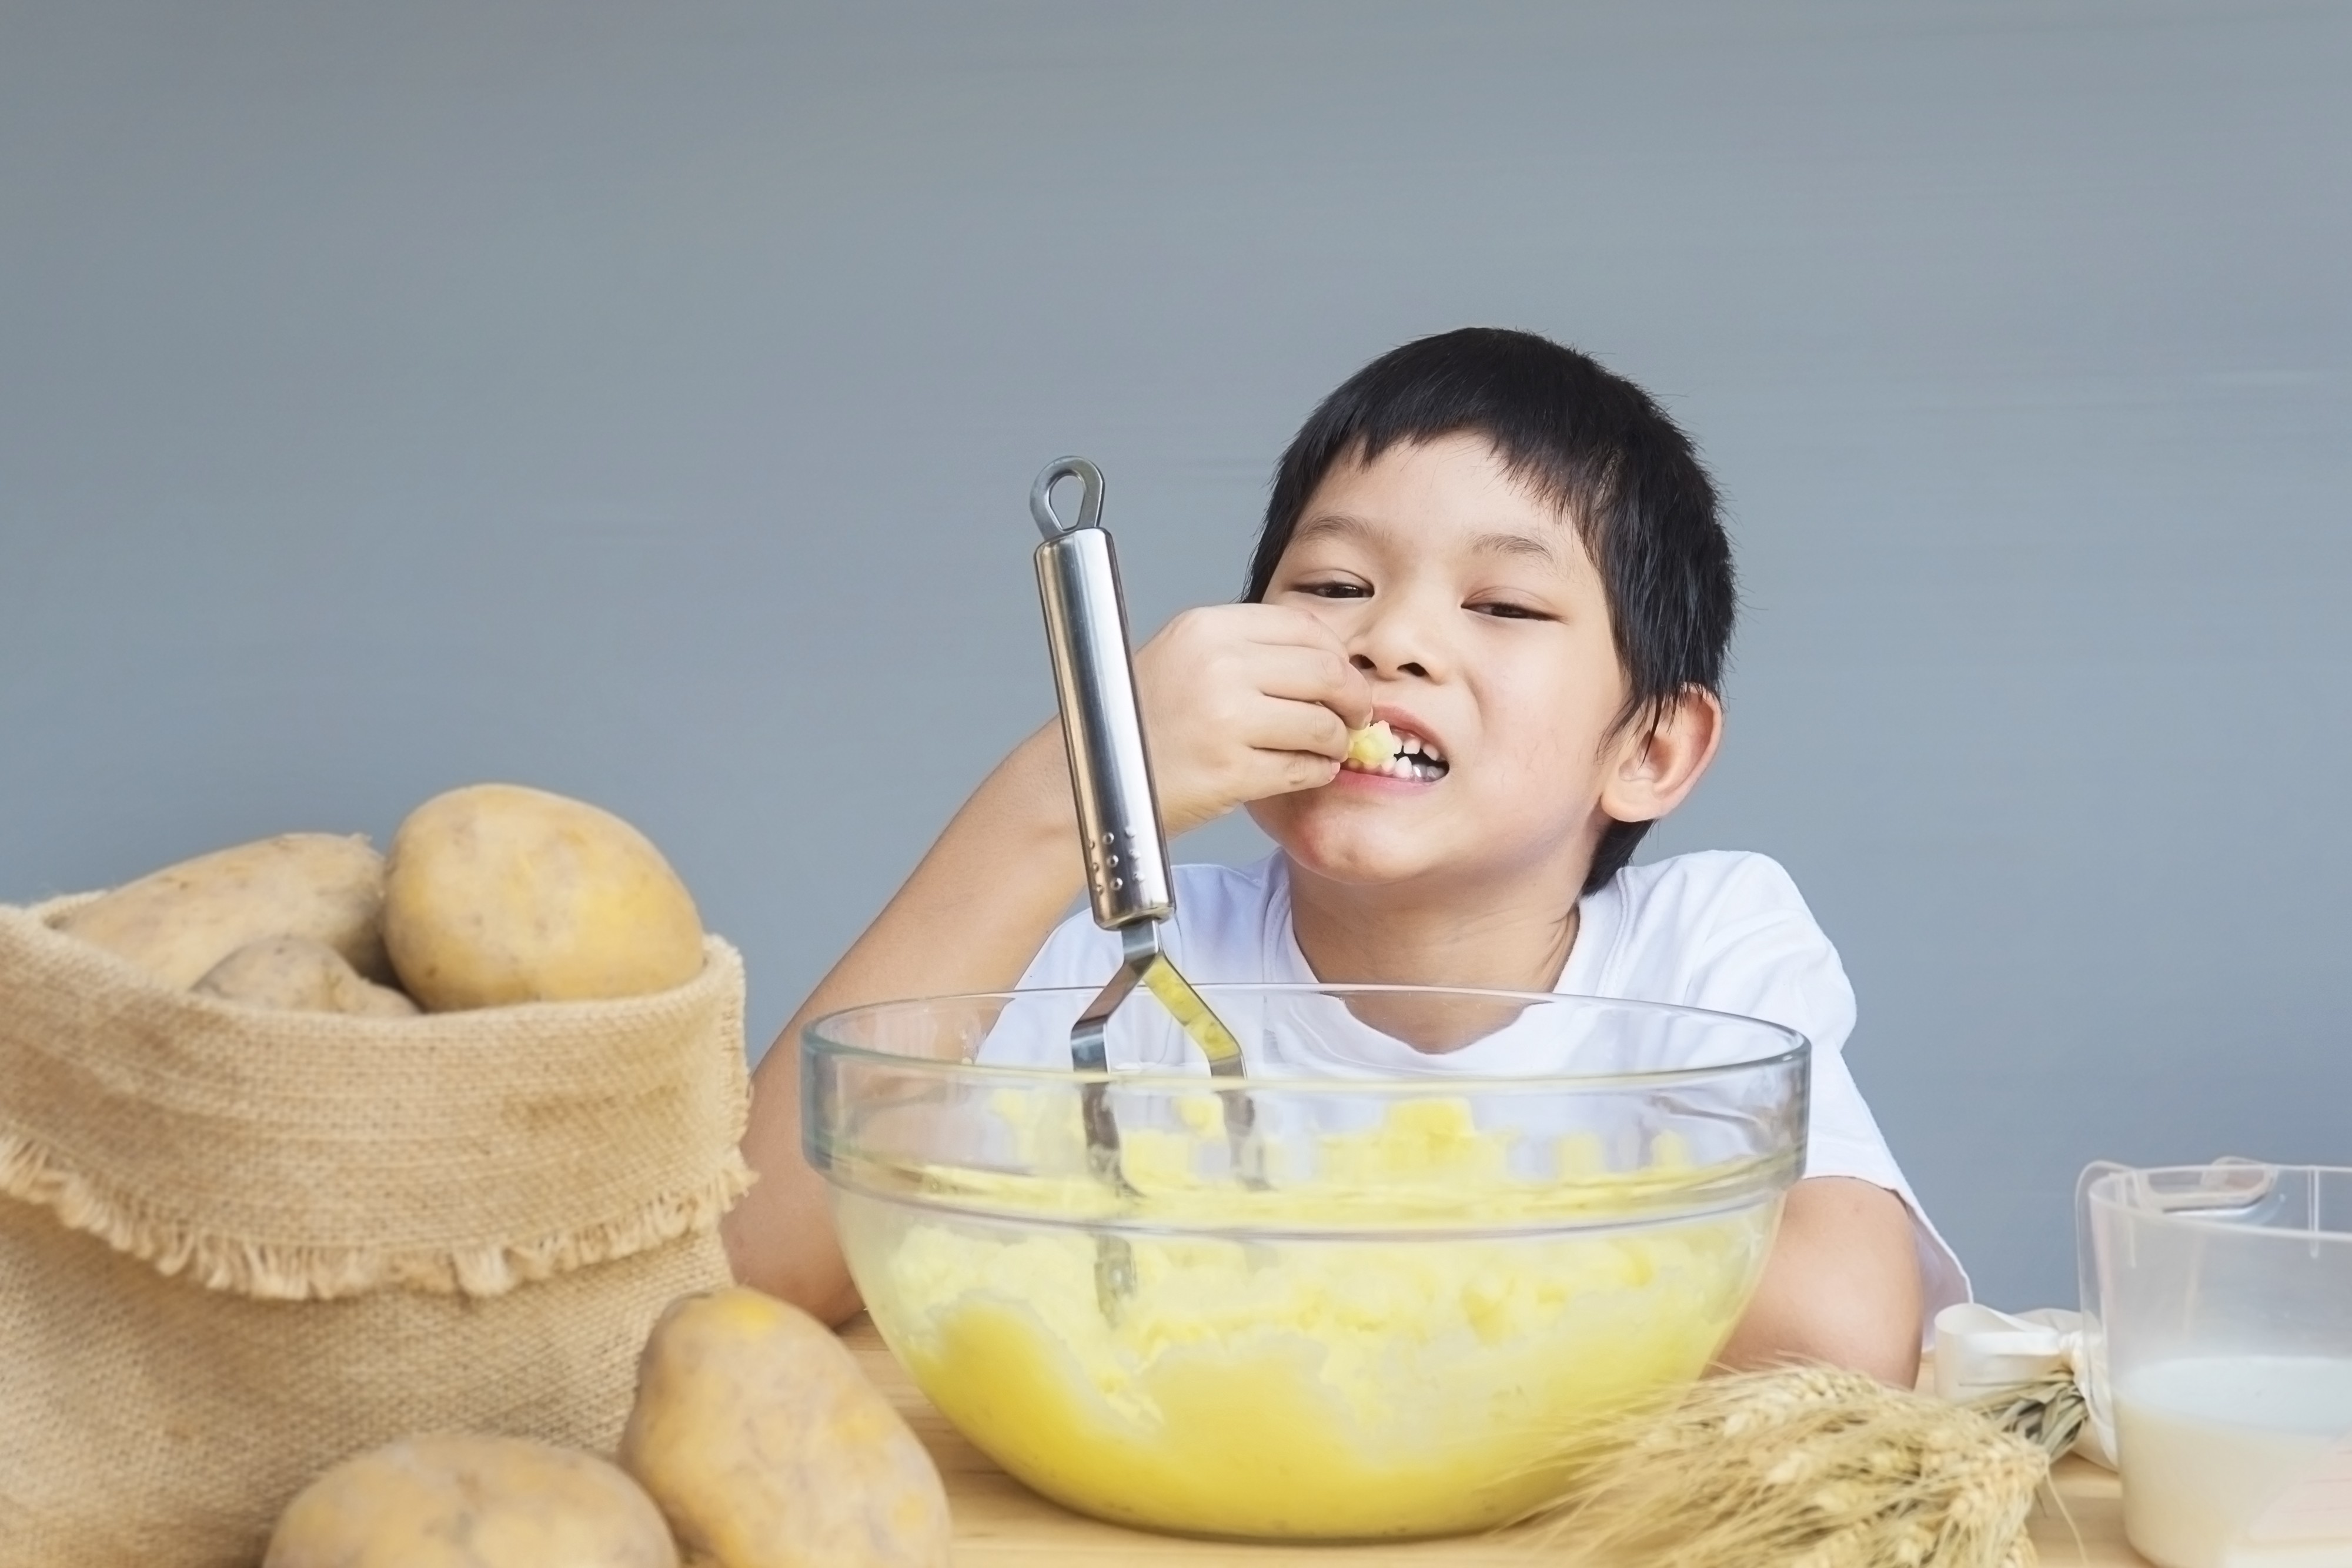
2219, 1299
1441, 1272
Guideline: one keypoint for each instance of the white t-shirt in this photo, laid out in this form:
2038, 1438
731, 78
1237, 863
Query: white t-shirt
1722, 930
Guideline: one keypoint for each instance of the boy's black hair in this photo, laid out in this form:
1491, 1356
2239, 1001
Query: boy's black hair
1593, 444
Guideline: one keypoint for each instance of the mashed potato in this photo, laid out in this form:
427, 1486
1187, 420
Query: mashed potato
1397, 1378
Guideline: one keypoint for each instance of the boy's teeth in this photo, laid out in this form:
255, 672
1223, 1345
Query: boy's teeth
1376, 749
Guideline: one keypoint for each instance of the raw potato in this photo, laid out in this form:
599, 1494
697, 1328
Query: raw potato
471, 1502
179, 922
302, 976
496, 893
767, 1447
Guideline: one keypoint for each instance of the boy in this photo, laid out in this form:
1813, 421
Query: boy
1512, 556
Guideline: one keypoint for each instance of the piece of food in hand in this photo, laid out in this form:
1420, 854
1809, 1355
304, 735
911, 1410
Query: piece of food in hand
1372, 744
496, 893
178, 923
767, 1447
300, 975
459, 1501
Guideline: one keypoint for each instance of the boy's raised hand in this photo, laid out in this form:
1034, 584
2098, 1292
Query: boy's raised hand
1244, 701
1240, 701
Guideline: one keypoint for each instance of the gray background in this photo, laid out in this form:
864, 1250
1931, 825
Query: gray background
639, 401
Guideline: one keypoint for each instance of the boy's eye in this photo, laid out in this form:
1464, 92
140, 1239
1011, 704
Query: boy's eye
1335, 589
1504, 610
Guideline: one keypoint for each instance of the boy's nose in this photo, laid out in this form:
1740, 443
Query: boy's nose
1394, 641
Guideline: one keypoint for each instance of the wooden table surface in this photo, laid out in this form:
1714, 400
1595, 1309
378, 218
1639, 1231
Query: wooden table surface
1000, 1523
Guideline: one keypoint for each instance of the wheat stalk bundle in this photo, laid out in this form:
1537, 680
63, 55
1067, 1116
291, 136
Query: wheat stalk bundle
1802, 1467
2049, 1414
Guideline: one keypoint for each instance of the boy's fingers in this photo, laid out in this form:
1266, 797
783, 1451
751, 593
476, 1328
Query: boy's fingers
1301, 727
1312, 676
1318, 671
1301, 770
1282, 624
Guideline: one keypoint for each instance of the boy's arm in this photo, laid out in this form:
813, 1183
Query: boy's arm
1241, 701
1842, 1285
975, 911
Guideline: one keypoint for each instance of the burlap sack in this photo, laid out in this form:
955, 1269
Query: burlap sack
238, 1245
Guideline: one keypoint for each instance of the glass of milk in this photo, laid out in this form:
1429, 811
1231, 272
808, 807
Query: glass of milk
2219, 1298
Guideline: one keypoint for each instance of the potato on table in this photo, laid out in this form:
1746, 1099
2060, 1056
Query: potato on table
498, 893
767, 1447
178, 923
459, 1501
299, 974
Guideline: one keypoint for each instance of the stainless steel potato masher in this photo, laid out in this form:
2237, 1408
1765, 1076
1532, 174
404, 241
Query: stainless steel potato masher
1118, 829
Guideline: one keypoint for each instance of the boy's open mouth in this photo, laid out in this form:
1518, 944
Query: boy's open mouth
1382, 750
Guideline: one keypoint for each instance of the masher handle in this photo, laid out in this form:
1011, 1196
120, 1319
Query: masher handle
1094, 680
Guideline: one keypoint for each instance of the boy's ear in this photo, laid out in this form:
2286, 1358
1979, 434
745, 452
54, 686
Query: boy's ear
1655, 767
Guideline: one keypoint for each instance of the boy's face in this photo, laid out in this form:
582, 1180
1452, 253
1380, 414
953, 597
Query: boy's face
1475, 612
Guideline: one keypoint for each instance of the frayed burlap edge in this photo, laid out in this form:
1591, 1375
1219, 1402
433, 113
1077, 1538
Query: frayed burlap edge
154, 1227
32, 1174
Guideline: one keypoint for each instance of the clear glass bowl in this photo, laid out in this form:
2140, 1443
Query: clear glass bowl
1371, 1314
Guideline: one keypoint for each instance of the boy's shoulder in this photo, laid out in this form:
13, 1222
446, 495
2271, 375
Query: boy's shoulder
1708, 879
1691, 912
